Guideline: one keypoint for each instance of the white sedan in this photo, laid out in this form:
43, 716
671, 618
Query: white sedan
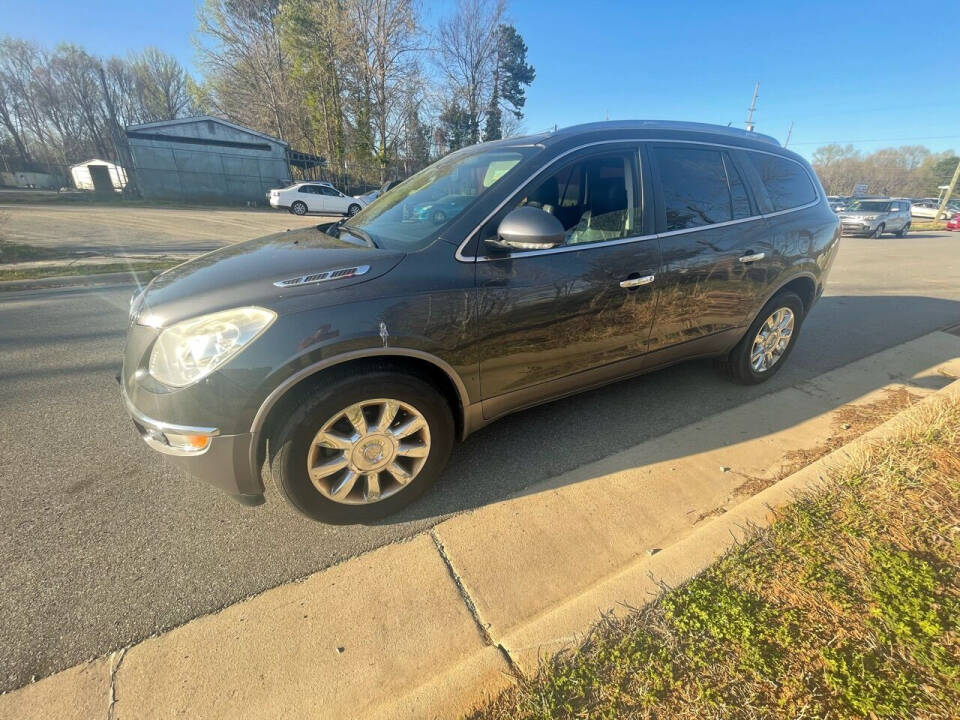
315, 197
928, 209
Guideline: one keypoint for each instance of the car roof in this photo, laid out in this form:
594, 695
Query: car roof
637, 129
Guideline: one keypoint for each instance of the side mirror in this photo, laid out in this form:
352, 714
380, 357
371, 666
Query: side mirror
527, 228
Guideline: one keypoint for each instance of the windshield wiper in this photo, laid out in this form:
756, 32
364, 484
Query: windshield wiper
362, 234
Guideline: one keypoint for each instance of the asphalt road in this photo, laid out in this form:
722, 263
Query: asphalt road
103, 545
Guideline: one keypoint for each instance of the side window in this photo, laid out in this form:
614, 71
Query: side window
787, 183
695, 187
325, 190
738, 191
594, 198
305, 189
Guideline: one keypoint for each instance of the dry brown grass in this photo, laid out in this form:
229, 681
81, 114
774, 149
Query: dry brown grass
849, 422
847, 606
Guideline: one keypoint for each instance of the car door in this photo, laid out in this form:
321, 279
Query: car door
554, 321
714, 252
310, 194
333, 201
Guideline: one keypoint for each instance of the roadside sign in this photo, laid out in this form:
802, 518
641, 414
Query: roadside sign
860, 189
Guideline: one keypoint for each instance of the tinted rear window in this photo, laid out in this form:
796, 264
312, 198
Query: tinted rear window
787, 183
696, 188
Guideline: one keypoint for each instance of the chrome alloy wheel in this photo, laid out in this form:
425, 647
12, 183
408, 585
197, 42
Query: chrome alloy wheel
368, 451
772, 340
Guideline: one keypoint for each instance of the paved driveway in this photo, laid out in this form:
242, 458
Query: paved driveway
103, 545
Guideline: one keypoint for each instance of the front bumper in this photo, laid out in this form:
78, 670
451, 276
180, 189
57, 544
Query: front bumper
224, 462
858, 229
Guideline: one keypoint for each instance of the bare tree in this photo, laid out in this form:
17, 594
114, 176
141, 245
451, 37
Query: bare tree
247, 72
160, 84
388, 40
467, 54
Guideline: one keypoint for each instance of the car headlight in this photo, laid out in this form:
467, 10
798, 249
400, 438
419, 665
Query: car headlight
190, 350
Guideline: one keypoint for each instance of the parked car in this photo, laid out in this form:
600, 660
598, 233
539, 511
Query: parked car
873, 218
954, 222
340, 362
437, 211
837, 203
927, 209
373, 195
315, 197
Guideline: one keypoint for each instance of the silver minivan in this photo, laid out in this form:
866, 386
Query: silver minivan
874, 217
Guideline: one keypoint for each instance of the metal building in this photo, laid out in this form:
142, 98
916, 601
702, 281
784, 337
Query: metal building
207, 159
99, 175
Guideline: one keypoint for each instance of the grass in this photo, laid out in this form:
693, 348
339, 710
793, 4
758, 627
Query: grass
928, 225
846, 607
91, 269
14, 252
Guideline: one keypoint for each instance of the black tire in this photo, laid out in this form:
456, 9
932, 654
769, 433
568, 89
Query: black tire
298, 207
290, 444
737, 363
353, 210
903, 231
880, 228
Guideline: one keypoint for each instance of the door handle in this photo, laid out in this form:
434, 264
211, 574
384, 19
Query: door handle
752, 257
637, 281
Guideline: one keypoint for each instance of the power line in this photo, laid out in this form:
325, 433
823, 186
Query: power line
903, 139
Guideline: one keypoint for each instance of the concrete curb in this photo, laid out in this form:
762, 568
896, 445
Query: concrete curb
77, 280
642, 581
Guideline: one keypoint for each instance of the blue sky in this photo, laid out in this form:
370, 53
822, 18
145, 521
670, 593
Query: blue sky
865, 73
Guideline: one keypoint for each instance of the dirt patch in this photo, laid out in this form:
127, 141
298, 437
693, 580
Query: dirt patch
849, 422
110, 230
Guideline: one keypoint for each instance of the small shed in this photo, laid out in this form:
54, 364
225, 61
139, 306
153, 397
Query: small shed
98, 175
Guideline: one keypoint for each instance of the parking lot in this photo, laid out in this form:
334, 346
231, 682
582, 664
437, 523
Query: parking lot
105, 545
118, 229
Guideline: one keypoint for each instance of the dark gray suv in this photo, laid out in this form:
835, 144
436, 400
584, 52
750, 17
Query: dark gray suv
343, 361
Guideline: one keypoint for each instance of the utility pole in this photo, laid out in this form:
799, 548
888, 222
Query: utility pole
753, 106
120, 145
789, 133
949, 193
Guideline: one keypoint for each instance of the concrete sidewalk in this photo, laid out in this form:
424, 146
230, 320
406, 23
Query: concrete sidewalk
428, 627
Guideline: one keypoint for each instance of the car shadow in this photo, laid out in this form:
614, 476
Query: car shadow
530, 447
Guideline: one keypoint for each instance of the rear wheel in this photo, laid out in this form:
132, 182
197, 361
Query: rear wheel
880, 229
299, 207
362, 447
769, 341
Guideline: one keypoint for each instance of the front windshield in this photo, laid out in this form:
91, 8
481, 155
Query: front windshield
408, 216
869, 206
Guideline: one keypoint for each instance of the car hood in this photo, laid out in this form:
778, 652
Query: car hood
861, 213
245, 273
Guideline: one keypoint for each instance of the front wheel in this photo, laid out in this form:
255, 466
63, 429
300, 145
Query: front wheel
769, 341
903, 232
362, 447
880, 229
299, 208
353, 210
